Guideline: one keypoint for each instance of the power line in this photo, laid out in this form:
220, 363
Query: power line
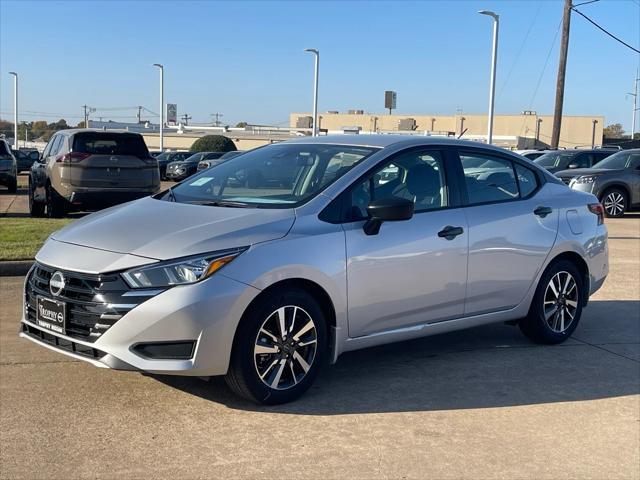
524, 41
586, 3
605, 31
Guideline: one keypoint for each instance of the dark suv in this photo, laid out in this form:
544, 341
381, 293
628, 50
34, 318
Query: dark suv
165, 158
8, 167
563, 159
179, 170
84, 169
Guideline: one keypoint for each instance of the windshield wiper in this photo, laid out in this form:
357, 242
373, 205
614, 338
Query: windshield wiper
220, 203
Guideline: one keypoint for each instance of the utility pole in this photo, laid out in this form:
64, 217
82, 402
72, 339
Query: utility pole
186, 118
635, 103
86, 116
562, 70
139, 114
15, 109
538, 122
217, 116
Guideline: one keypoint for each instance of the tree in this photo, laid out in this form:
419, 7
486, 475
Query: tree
614, 130
241, 124
213, 143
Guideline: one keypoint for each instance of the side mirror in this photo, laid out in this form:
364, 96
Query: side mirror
391, 209
574, 165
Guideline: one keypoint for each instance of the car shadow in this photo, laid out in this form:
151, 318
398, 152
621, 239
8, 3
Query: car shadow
484, 367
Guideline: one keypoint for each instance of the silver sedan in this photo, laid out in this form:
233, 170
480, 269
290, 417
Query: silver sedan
335, 244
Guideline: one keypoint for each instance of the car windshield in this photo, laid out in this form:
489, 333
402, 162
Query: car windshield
196, 157
552, 159
275, 176
620, 160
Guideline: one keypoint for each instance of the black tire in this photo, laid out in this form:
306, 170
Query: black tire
56, 205
244, 376
36, 209
13, 185
544, 315
615, 202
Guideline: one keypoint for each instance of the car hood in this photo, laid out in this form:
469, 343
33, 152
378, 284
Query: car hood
163, 230
578, 172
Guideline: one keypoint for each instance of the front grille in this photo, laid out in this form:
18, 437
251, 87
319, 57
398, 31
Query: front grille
61, 343
94, 303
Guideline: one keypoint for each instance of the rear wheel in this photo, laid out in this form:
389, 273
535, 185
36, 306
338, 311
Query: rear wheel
615, 202
557, 305
56, 207
279, 348
36, 209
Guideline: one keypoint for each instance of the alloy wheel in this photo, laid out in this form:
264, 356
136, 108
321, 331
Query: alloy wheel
560, 302
614, 204
285, 347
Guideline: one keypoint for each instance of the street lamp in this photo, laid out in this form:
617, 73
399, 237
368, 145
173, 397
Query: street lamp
15, 109
315, 89
161, 104
494, 58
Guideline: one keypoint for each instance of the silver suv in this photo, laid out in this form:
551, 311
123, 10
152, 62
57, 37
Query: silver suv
369, 240
614, 180
86, 169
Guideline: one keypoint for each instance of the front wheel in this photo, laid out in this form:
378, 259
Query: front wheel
279, 348
557, 305
614, 202
13, 185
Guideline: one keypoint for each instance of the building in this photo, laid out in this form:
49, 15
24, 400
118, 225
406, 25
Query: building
526, 130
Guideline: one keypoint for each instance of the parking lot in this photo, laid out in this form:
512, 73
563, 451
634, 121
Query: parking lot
481, 403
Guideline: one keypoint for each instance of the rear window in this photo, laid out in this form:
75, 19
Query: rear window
98, 143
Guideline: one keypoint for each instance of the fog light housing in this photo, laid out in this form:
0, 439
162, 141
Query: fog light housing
165, 350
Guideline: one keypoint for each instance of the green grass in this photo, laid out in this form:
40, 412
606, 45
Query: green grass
21, 238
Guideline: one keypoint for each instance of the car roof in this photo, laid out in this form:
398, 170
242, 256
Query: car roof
73, 131
383, 141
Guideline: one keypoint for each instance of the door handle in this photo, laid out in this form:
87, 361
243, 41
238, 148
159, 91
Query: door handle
542, 211
450, 232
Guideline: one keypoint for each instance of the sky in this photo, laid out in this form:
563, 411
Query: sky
245, 59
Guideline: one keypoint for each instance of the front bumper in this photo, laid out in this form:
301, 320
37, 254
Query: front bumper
207, 313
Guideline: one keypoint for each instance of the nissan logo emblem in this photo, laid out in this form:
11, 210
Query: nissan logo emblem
56, 284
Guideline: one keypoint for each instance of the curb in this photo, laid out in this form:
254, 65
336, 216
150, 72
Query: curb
16, 268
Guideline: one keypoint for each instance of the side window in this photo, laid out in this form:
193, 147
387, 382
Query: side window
527, 180
583, 160
416, 176
492, 180
599, 156
47, 149
55, 145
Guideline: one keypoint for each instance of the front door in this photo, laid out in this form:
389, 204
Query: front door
409, 273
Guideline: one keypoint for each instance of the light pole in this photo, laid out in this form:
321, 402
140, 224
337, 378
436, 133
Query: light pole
161, 105
315, 89
593, 133
15, 109
635, 104
494, 58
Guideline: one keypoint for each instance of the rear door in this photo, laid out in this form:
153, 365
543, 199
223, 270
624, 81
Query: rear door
512, 229
111, 160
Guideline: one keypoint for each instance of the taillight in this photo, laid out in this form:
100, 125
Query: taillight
597, 209
72, 157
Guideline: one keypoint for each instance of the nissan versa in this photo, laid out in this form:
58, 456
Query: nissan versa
371, 239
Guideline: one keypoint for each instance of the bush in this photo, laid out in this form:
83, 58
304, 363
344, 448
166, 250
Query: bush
213, 143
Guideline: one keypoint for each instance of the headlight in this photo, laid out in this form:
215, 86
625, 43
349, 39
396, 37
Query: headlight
180, 272
586, 179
